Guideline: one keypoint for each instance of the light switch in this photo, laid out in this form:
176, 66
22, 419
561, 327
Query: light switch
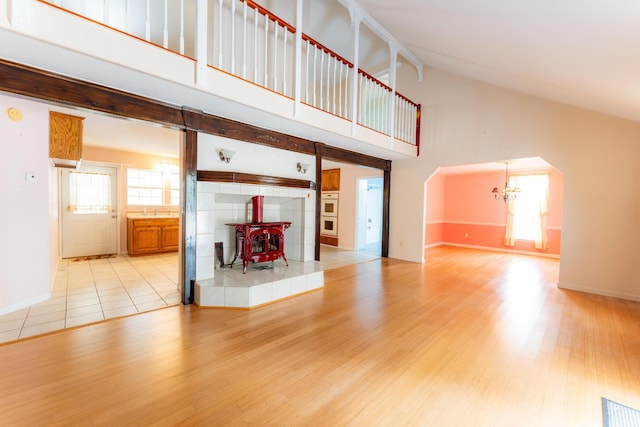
31, 176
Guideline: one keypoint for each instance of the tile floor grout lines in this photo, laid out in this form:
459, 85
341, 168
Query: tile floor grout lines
88, 291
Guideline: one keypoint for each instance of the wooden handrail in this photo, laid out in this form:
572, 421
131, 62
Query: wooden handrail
360, 70
270, 15
373, 79
399, 95
326, 50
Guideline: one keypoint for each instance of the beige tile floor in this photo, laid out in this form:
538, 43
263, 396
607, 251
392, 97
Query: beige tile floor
90, 291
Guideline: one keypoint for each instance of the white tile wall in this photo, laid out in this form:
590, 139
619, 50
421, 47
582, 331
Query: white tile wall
231, 288
223, 203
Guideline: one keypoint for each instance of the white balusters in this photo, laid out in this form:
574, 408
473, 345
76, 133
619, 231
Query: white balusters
255, 45
265, 52
220, 34
244, 39
232, 56
315, 61
284, 62
258, 47
306, 92
275, 57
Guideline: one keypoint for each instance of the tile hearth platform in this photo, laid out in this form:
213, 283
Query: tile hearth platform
263, 283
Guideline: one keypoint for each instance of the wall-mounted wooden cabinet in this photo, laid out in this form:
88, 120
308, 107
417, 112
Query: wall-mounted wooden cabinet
331, 180
152, 235
65, 139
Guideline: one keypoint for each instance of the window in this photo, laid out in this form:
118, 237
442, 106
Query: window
153, 187
89, 192
530, 207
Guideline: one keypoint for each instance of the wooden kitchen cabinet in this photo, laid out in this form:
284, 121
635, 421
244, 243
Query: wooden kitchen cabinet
152, 235
331, 180
65, 139
171, 236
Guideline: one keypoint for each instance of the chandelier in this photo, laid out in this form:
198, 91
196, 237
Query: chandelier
507, 193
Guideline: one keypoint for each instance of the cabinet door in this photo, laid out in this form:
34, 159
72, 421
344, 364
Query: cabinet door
65, 138
146, 239
331, 180
170, 237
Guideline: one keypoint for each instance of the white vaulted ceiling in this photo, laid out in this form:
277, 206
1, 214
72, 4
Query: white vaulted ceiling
580, 52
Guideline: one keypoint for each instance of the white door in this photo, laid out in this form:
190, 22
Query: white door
88, 205
374, 216
369, 220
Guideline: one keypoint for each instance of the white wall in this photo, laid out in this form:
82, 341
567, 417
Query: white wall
28, 254
465, 121
252, 158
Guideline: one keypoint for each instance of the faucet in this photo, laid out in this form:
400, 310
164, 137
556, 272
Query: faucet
155, 212
145, 212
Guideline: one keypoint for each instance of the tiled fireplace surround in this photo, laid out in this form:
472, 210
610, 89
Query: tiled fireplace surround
222, 203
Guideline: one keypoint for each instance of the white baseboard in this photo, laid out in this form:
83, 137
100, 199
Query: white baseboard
433, 245
24, 304
489, 248
604, 293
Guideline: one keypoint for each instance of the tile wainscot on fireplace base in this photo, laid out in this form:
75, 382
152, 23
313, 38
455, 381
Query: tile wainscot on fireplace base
263, 283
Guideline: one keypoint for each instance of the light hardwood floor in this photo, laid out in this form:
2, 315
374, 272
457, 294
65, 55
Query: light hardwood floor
471, 338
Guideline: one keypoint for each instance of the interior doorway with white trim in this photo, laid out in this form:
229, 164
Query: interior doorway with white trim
369, 216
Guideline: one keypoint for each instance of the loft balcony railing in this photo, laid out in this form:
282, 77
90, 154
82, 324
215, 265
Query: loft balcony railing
248, 41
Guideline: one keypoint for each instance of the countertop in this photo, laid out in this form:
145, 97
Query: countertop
151, 215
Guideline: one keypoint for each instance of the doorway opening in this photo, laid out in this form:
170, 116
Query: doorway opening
369, 215
462, 210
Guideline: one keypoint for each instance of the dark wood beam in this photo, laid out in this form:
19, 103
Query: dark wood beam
386, 205
247, 178
189, 158
346, 156
318, 202
35, 83
214, 125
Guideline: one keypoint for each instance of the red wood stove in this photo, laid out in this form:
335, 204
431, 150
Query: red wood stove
259, 241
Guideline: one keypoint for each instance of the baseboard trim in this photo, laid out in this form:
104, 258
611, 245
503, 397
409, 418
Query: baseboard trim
604, 293
489, 248
24, 304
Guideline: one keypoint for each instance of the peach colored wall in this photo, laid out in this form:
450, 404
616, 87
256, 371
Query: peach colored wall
471, 216
127, 158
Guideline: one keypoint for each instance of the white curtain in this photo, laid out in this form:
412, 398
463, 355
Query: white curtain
527, 214
509, 239
541, 240
89, 193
